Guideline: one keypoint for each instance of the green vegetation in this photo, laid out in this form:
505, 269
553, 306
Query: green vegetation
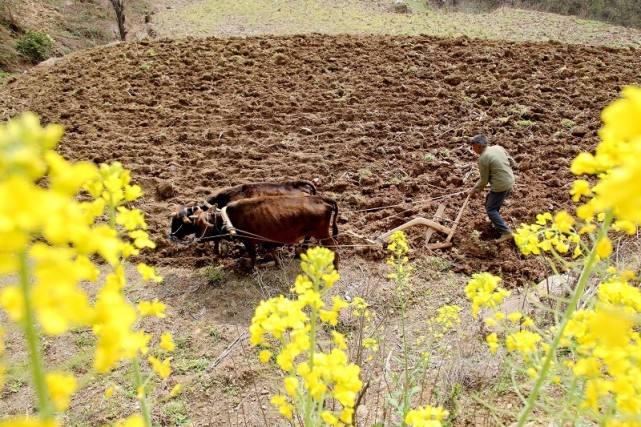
214, 275
623, 12
36, 46
567, 123
4, 76
525, 123
176, 412
251, 17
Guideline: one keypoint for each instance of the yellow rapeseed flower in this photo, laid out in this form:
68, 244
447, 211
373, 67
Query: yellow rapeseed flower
176, 390
291, 386
264, 356
148, 273
427, 416
163, 369
524, 342
448, 316
483, 291
564, 222
284, 407
580, 188
152, 308
61, 386
492, 341
329, 418
28, 422
131, 421
167, 342
109, 391
604, 248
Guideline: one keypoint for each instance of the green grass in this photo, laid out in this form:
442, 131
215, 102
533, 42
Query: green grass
525, 123
436, 263
567, 123
283, 17
4, 76
176, 412
215, 275
190, 365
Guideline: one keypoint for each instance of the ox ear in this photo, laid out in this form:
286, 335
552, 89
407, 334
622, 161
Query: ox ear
187, 219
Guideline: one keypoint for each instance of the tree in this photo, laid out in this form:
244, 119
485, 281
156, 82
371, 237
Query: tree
119, 8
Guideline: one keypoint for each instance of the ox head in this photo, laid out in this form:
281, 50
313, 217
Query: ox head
184, 222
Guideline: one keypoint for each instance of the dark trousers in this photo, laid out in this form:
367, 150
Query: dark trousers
493, 202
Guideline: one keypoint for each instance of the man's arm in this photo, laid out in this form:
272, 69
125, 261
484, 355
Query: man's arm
484, 170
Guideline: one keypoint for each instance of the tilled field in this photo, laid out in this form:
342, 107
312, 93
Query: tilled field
374, 121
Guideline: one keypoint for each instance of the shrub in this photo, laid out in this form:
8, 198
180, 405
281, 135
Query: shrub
35, 46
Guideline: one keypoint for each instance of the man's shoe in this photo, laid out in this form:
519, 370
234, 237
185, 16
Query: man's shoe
504, 237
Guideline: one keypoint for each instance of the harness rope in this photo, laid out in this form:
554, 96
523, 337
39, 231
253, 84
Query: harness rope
233, 231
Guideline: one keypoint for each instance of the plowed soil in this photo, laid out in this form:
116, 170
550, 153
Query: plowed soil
374, 121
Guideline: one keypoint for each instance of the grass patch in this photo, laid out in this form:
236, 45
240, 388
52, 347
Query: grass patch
215, 334
283, 17
176, 413
437, 263
567, 123
215, 275
4, 76
14, 385
525, 123
189, 365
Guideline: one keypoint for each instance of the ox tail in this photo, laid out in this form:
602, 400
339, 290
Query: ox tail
310, 186
334, 206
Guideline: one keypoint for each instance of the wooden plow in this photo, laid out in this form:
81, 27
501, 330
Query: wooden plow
434, 226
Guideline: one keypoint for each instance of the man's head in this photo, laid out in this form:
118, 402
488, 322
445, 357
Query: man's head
478, 143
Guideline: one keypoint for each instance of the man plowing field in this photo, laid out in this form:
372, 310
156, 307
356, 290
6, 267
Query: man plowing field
495, 167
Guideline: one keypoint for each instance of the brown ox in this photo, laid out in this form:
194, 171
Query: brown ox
278, 220
182, 225
247, 191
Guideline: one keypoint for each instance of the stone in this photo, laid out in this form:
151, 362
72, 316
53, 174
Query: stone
400, 6
165, 191
579, 131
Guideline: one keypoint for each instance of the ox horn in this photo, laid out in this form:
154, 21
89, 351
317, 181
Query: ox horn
207, 204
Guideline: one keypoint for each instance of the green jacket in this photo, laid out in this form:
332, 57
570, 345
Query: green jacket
495, 166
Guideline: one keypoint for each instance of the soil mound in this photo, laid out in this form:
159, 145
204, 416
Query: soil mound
374, 121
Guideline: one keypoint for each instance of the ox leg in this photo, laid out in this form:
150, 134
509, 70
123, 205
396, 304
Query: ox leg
251, 251
217, 247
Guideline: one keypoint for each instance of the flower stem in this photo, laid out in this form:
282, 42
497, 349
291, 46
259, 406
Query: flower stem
588, 267
33, 342
406, 384
309, 403
143, 401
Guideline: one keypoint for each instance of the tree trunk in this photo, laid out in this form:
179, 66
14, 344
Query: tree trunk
119, 8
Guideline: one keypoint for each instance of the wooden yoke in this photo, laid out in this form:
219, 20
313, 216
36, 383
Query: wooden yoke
227, 225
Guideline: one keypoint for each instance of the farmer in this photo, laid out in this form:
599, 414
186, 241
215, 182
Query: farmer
495, 167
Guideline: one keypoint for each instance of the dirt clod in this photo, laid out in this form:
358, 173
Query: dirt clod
165, 191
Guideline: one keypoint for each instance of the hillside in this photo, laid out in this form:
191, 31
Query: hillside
71, 25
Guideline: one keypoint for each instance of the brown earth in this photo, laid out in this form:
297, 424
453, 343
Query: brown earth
374, 121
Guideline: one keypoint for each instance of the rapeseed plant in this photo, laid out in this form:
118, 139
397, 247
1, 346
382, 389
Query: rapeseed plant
588, 356
289, 331
52, 239
413, 368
